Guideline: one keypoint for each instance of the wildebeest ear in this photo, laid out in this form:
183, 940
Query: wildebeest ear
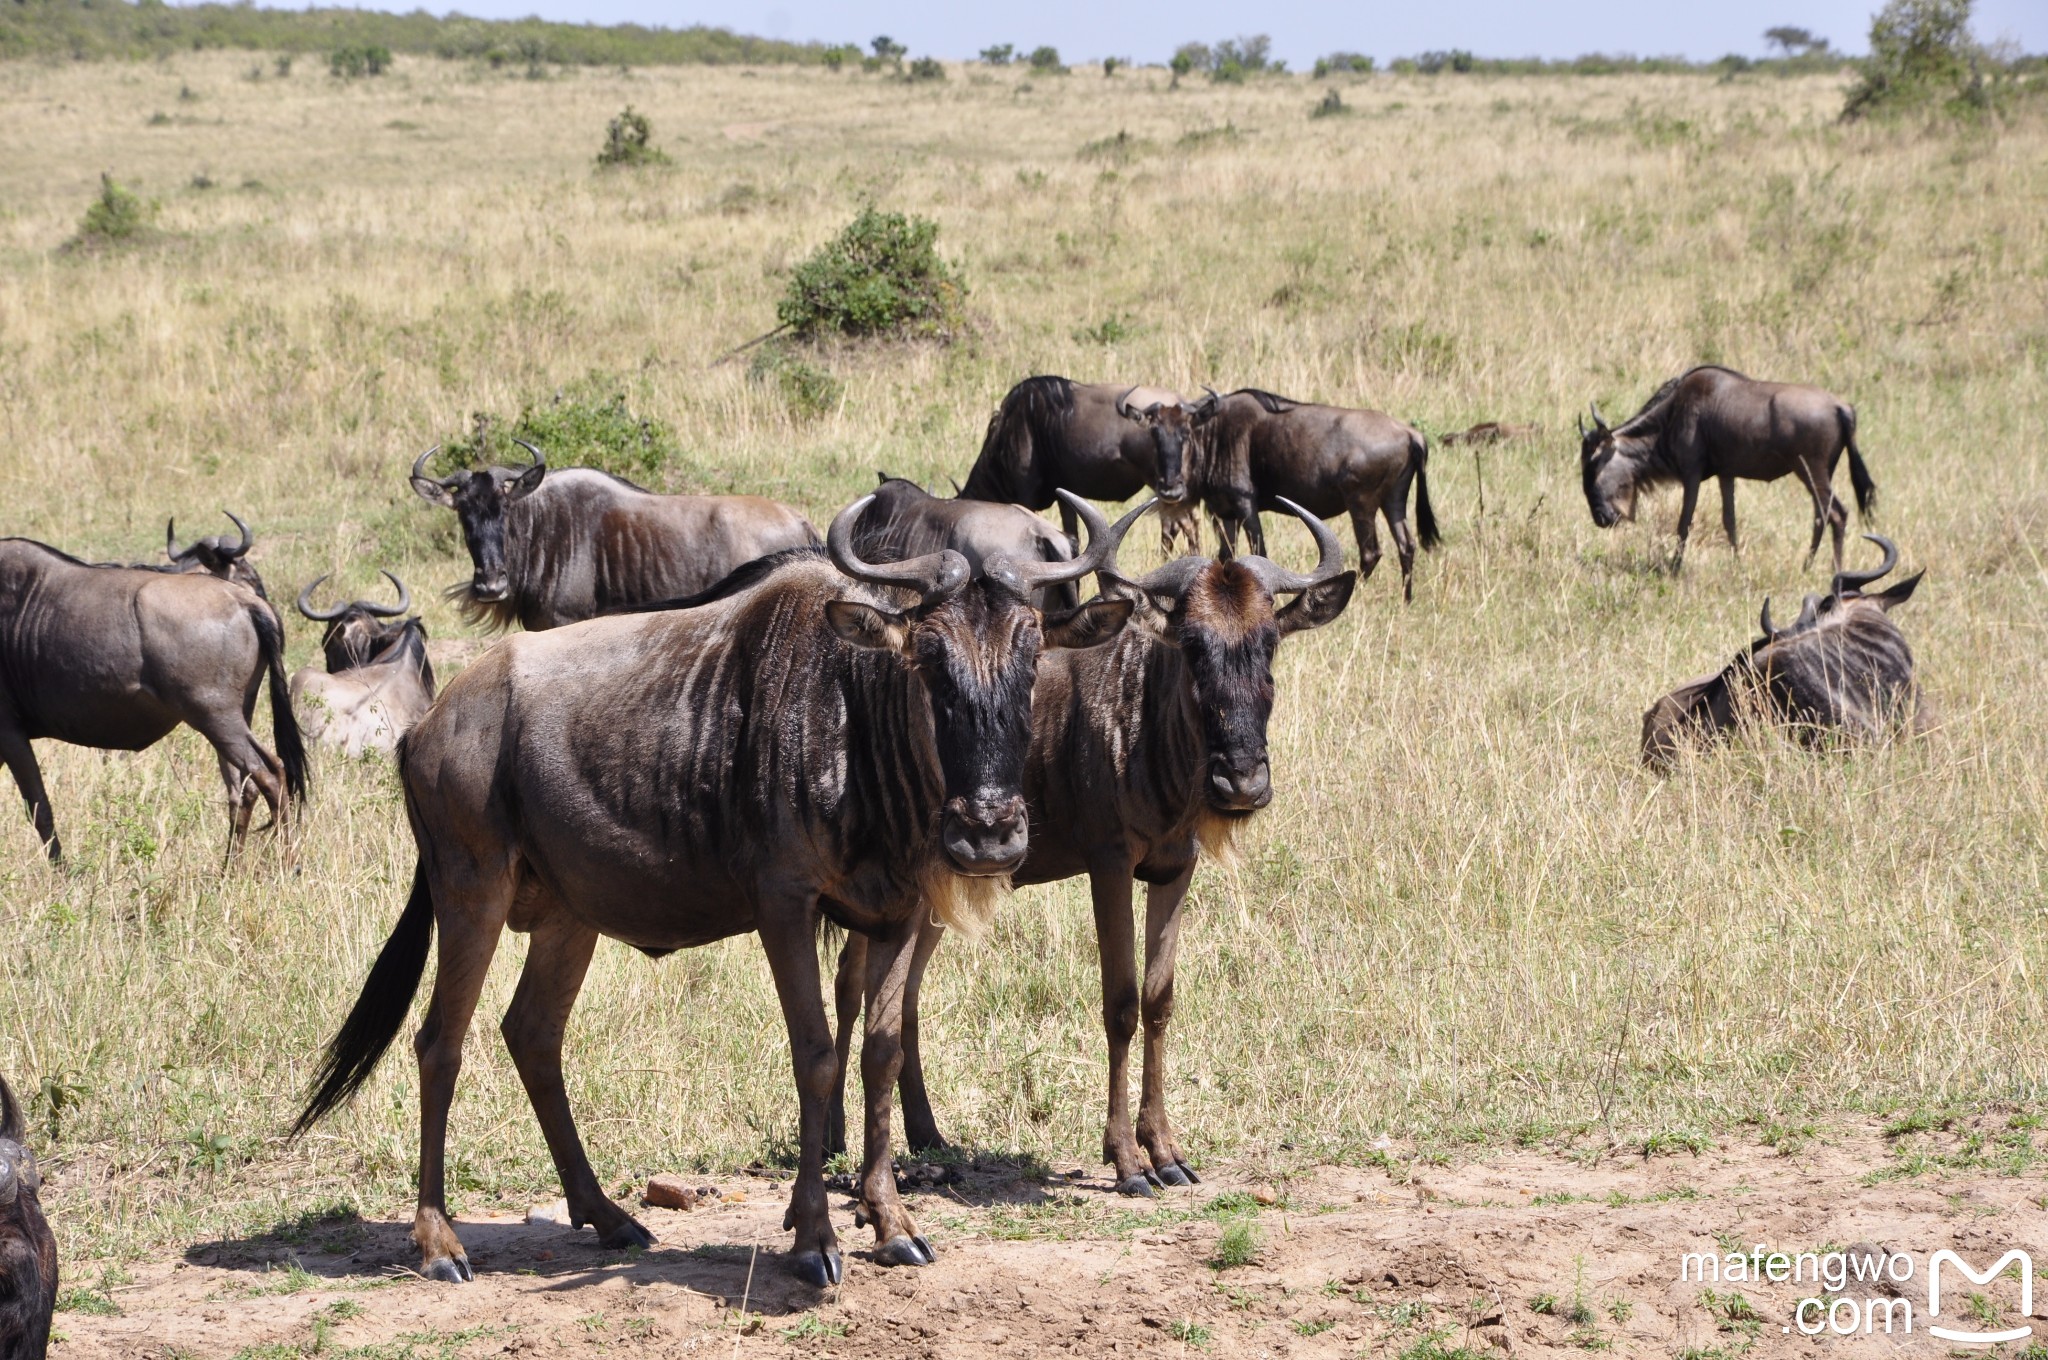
1317, 605
1898, 594
1095, 622
1151, 612
525, 482
864, 625
431, 490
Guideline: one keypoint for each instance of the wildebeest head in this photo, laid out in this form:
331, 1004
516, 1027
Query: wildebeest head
479, 497
219, 555
1610, 474
17, 1164
973, 639
1171, 424
1222, 617
358, 633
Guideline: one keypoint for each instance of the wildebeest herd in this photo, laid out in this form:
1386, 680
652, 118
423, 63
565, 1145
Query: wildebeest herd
715, 723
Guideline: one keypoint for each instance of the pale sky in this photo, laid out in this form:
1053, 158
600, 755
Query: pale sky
1148, 31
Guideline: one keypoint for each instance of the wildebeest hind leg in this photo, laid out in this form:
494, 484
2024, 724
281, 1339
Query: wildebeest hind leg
1728, 513
1162, 942
20, 759
920, 1128
248, 771
1368, 535
846, 997
533, 1027
784, 923
897, 1240
1116, 951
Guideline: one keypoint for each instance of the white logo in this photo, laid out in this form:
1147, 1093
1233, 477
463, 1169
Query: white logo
2026, 1264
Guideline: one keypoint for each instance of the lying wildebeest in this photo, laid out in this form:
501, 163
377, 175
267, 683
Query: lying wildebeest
216, 556
786, 749
28, 1249
1841, 666
1253, 449
1714, 422
1105, 441
1489, 432
1144, 754
378, 682
556, 547
115, 657
904, 520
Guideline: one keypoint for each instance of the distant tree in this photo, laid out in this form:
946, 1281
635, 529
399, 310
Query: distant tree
1249, 53
1794, 42
888, 49
1920, 51
1046, 61
999, 55
1194, 56
1109, 65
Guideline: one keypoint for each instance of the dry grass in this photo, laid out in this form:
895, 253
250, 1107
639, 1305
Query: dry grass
1469, 915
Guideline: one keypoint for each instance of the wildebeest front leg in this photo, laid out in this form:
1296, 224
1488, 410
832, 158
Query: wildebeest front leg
1688, 503
1111, 889
1728, 512
20, 759
533, 1027
897, 1240
1162, 942
847, 985
786, 936
920, 1128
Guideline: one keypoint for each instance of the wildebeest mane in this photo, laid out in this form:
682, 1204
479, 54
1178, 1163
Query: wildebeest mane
738, 579
1035, 410
1273, 404
1649, 418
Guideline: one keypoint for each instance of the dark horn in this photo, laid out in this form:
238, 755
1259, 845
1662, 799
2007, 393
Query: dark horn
306, 606
934, 575
539, 458
248, 539
1856, 580
419, 464
171, 538
1765, 620
389, 611
1809, 610
1123, 402
1100, 555
1599, 421
1329, 561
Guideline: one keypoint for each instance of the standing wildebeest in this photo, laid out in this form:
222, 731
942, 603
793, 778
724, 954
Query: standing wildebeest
216, 556
378, 682
28, 1249
115, 657
1714, 422
1105, 441
1253, 449
1144, 754
1842, 665
582, 542
779, 752
904, 520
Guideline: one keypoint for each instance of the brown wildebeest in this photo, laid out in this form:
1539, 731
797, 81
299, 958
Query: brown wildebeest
378, 681
795, 746
557, 547
1841, 666
1253, 449
1144, 754
115, 657
217, 555
1489, 432
28, 1249
904, 520
1714, 422
1105, 441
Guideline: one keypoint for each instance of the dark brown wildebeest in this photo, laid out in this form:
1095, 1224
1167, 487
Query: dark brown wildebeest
28, 1249
1841, 666
216, 556
1144, 754
557, 547
793, 747
1253, 449
1105, 441
904, 520
115, 657
1714, 422
378, 681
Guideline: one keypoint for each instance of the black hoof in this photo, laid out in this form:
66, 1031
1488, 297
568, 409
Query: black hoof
1189, 1172
820, 1270
450, 1270
1173, 1173
627, 1236
934, 1141
1139, 1186
905, 1251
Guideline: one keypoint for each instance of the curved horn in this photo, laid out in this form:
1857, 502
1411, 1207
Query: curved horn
1214, 395
1599, 421
1329, 562
1856, 580
388, 611
1765, 620
306, 602
538, 456
1809, 609
934, 575
248, 539
1123, 402
171, 538
419, 464
1582, 427
1100, 555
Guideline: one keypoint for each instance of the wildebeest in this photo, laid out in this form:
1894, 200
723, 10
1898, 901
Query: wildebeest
1489, 432
1106, 441
554, 547
818, 738
28, 1249
115, 657
217, 555
1714, 422
1841, 666
904, 520
378, 681
1253, 449
1144, 754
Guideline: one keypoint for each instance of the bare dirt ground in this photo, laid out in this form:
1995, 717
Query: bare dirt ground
1524, 1253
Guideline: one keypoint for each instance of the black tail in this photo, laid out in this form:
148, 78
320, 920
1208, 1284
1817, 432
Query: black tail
374, 1021
291, 748
1859, 475
1425, 514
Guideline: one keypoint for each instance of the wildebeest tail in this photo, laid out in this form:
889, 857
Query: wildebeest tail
375, 1019
291, 747
1859, 475
1425, 514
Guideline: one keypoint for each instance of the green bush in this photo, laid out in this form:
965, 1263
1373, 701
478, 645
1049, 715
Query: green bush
1921, 53
585, 424
1332, 105
999, 55
117, 217
372, 59
1340, 62
629, 140
882, 274
808, 390
927, 68
1046, 61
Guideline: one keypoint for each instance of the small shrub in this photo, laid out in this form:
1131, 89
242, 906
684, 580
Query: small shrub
117, 217
87, 1301
927, 68
283, 65
629, 140
836, 57
1045, 61
888, 50
808, 390
589, 424
1331, 105
1112, 330
999, 55
351, 63
881, 274
1921, 52
1339, 62
1109, 65
1237, 1245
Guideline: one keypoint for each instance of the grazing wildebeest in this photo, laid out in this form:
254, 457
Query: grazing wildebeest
216, 556
1841, 666
1489, 432
115, 657
787, 749
28, 1249
1144, 754
556, 547
1105, 441
378, 681
1714, 422
1252, 449
904, 520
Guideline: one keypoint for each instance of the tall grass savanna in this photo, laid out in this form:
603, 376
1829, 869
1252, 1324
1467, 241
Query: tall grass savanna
1469, 914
